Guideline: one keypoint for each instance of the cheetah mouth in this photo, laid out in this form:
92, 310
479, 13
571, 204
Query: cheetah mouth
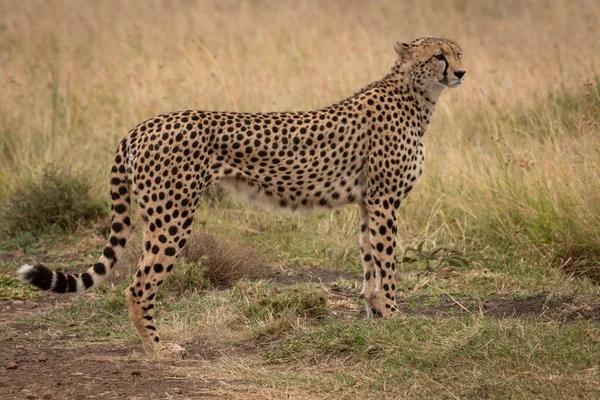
451, 84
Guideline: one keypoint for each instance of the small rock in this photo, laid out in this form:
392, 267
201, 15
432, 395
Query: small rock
136, 373
12, 366
18, 302
176, 390
43, 357
19, 347
7, 308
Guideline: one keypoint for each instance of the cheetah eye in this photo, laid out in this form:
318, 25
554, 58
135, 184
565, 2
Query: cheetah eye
440, 57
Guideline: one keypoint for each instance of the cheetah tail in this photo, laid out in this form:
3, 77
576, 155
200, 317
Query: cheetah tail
60, 282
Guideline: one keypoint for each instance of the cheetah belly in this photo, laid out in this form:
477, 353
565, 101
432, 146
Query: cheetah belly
298, 193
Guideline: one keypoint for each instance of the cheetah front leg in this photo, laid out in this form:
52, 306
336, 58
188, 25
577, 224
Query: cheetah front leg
370, 273
382, 228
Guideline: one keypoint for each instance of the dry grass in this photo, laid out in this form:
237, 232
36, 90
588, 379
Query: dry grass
224, 261
77, 75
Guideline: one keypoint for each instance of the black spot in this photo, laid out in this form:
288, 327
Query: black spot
72, 283
99, 268
120, 208
170, 251
87, 280
173, 230
158, 268
187, 223
109, 252
61, 283
155, 249
40, 276
117, 227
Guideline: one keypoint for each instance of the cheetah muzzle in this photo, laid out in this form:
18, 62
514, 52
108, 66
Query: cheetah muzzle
367, 149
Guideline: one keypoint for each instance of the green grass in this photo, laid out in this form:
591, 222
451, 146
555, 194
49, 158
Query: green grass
453, 357
304, 341
12, 288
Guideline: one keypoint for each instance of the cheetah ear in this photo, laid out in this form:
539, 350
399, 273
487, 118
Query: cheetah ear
401, 49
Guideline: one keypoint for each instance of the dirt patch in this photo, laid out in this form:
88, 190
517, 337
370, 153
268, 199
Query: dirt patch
73, 370
542, 305
290, 276
37, 364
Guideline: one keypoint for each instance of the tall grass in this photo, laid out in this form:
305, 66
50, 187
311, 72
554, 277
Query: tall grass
513, 154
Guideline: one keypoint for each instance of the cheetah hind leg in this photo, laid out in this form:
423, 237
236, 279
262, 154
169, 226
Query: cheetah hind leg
162, 246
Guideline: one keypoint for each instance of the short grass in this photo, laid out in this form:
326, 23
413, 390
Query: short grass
314, 336
511, 183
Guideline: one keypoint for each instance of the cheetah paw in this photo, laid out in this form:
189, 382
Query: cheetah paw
379, 306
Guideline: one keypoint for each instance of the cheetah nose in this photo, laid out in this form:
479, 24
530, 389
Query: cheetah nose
459, 74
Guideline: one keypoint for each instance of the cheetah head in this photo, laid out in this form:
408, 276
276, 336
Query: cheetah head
433, 64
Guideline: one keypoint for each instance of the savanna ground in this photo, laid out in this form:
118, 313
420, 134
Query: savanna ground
501, 238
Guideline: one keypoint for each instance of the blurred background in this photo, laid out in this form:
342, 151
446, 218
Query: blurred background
513, 154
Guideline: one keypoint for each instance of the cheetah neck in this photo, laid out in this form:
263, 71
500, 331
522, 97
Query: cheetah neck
424, 98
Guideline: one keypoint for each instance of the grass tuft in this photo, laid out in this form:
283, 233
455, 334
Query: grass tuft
260, 300
11, 288
224, 261
271, 311
58, 198
185, 278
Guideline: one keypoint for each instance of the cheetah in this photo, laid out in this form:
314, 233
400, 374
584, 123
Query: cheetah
367, 149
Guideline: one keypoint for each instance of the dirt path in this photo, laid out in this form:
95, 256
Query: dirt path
43, 364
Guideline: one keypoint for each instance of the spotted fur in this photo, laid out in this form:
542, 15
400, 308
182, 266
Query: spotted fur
367, 149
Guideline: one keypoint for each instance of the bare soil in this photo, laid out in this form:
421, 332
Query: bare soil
541, 305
